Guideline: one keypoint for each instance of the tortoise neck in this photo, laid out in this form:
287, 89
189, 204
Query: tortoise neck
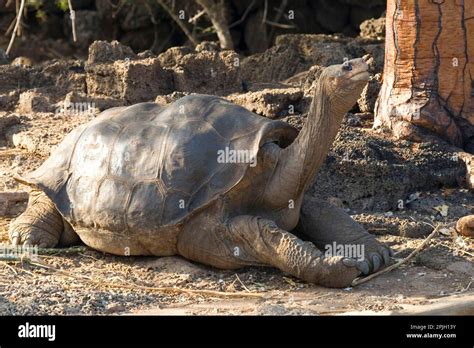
299, 162
315, 139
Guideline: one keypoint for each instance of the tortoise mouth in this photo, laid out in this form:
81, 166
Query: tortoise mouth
362, 75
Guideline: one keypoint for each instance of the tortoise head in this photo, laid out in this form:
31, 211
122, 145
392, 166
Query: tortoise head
343, 83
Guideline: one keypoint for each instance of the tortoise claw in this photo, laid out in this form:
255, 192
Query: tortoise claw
376, 262
363, 266
386, 256
349, 262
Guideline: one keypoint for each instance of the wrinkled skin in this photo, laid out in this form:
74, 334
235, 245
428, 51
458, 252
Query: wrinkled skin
234, 215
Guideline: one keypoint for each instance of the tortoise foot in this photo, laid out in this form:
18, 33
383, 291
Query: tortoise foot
41, 224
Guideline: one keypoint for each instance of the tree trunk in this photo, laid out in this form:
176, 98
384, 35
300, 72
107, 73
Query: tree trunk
429, 66
216, 12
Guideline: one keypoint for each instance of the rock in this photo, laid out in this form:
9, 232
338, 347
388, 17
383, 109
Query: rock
294, 53
270, 103
7, 121
377, 51
360, 14
210, 46
22, 61
311, 79
291, 55
172, 56
465, 226
75, 102
352, 120
8, 101
301, 78
146, 54
468, 160
365, 115
131, 81
306, 79
65, 76
108, 52
373, 28
12, 203
19, 78
367, 99
208, 72
33, 101
52, 79
179, 69
19, 137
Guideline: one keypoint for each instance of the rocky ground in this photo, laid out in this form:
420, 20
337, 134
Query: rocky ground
397, 190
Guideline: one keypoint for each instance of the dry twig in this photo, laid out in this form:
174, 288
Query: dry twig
178, 21
134, 286
216, 13
244, 15
198, 15
17, 26
241, 283
72, 14
277, 18
359, 281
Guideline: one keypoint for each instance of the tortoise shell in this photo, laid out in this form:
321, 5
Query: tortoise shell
149, 165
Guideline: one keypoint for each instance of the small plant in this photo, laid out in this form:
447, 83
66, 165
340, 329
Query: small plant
62, 5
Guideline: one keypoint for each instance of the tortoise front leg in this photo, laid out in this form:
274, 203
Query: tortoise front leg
41, 224
323, 224
249, 240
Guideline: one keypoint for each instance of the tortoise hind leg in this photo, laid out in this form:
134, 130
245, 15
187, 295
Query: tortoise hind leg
41, 224
250, 240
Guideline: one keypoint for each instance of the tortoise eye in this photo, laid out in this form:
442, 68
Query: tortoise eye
347, 66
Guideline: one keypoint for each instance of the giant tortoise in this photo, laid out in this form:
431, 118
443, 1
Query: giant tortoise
205, 179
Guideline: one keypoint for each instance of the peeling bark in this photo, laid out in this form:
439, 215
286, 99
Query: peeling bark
429, 64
